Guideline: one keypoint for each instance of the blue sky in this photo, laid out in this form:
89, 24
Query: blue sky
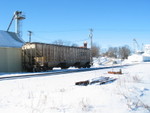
115, 22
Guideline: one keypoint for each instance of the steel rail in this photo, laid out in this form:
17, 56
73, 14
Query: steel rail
51, 73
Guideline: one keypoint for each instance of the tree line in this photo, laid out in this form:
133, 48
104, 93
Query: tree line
121, 52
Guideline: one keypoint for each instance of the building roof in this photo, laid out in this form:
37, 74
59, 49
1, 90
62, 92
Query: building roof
10, 39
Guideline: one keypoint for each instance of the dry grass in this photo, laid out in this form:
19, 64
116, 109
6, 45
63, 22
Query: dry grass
136, 78
131, 94
84, 104
136, 103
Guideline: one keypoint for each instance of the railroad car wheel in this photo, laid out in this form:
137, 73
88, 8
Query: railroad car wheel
50, 68
87, 65
64, 67
79, 67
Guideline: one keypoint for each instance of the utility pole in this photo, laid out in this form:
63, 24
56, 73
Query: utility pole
30, 33
91, 37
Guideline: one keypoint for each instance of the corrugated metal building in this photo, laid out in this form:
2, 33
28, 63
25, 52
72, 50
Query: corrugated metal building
10, 52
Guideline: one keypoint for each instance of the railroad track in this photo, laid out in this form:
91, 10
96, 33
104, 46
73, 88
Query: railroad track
51, 73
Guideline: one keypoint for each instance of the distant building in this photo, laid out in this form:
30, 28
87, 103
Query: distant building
145, 57
147, 49
10, 52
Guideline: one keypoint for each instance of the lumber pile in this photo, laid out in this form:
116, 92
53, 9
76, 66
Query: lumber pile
100, 80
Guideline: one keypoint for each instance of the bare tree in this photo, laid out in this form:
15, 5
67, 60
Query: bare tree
112, 52
118, 52
58, 42
124, 52
74, 45
66, 43
95, 50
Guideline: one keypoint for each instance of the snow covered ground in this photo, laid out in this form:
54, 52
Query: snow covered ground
130, 93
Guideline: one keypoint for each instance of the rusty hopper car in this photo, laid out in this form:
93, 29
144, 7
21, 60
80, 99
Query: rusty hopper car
42, 57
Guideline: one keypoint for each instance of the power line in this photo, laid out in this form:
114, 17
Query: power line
62, 31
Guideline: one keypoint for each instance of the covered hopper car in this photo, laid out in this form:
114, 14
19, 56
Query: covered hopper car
42, 56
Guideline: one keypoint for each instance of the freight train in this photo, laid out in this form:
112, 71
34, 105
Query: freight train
41, 56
